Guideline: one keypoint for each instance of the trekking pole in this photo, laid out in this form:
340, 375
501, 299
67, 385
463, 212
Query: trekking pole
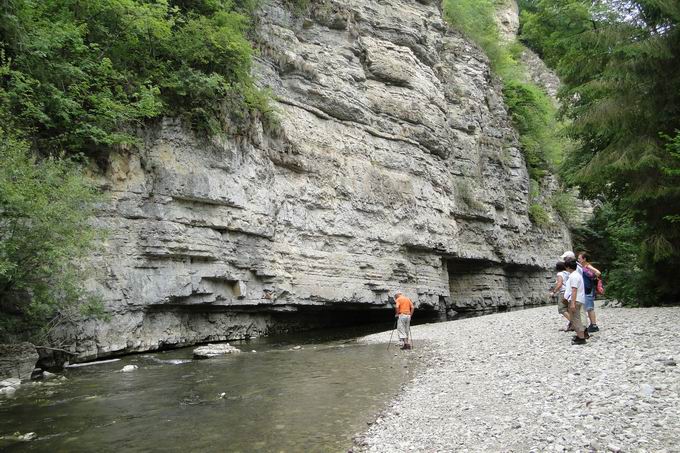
392, 334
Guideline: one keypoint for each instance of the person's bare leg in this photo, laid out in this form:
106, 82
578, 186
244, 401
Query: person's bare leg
592, 317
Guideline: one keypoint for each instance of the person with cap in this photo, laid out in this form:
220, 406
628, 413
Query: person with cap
575, 295
403, 311
568, 255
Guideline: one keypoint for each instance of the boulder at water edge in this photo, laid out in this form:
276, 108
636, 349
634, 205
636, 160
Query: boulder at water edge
17, 360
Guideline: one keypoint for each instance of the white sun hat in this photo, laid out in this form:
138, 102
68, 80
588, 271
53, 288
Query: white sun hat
568, 254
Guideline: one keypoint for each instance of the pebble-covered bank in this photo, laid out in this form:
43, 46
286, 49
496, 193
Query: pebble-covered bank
513, 382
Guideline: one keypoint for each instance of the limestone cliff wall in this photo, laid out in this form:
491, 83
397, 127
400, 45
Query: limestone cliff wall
394, 166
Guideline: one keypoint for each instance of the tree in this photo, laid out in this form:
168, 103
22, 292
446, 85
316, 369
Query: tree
45, 210
620, 65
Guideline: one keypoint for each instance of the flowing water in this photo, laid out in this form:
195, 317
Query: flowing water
279, 399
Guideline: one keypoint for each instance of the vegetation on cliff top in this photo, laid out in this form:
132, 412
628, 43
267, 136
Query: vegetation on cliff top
80, 77
619, 62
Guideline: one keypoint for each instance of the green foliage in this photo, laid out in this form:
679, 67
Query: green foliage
45, 207
612, 239
527, 5
532, 110
81, 76
621, 94
534, 114
564, 204
538, 215
475, 18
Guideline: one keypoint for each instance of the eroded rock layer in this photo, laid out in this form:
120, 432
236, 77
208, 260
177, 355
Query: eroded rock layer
393, 166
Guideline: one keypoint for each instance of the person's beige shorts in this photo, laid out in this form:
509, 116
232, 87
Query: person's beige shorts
562, 306
578, 318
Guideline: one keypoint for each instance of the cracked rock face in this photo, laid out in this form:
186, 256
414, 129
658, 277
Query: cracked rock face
17, 361
393, 166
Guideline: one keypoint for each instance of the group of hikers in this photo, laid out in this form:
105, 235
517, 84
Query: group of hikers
575, 287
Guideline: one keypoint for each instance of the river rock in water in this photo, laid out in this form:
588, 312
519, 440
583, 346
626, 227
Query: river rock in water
214, 350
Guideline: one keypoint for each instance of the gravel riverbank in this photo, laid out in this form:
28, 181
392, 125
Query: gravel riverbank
513, 382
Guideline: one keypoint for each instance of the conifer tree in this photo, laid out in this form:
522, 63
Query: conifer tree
620, 65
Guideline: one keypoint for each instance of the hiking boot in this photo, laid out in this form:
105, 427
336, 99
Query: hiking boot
406, 346
593, 328
585, 335
578, 340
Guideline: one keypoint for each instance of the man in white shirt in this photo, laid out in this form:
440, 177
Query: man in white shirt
576, 295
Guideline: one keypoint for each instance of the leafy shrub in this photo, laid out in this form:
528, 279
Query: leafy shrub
538, 215
533, 114
82, 76
564, 204
45, 207
475, 18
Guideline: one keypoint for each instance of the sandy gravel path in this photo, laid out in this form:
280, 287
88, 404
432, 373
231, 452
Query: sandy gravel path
513, 382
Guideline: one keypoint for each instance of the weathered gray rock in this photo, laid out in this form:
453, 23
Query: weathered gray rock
393, 164
214, 350
128, 368
17, 360
507, 18
47, 375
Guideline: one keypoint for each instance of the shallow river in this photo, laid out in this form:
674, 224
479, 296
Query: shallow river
313, 399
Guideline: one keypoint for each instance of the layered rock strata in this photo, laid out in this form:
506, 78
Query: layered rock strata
393, 166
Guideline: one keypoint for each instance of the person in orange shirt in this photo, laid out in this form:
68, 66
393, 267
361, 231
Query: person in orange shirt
403, 312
